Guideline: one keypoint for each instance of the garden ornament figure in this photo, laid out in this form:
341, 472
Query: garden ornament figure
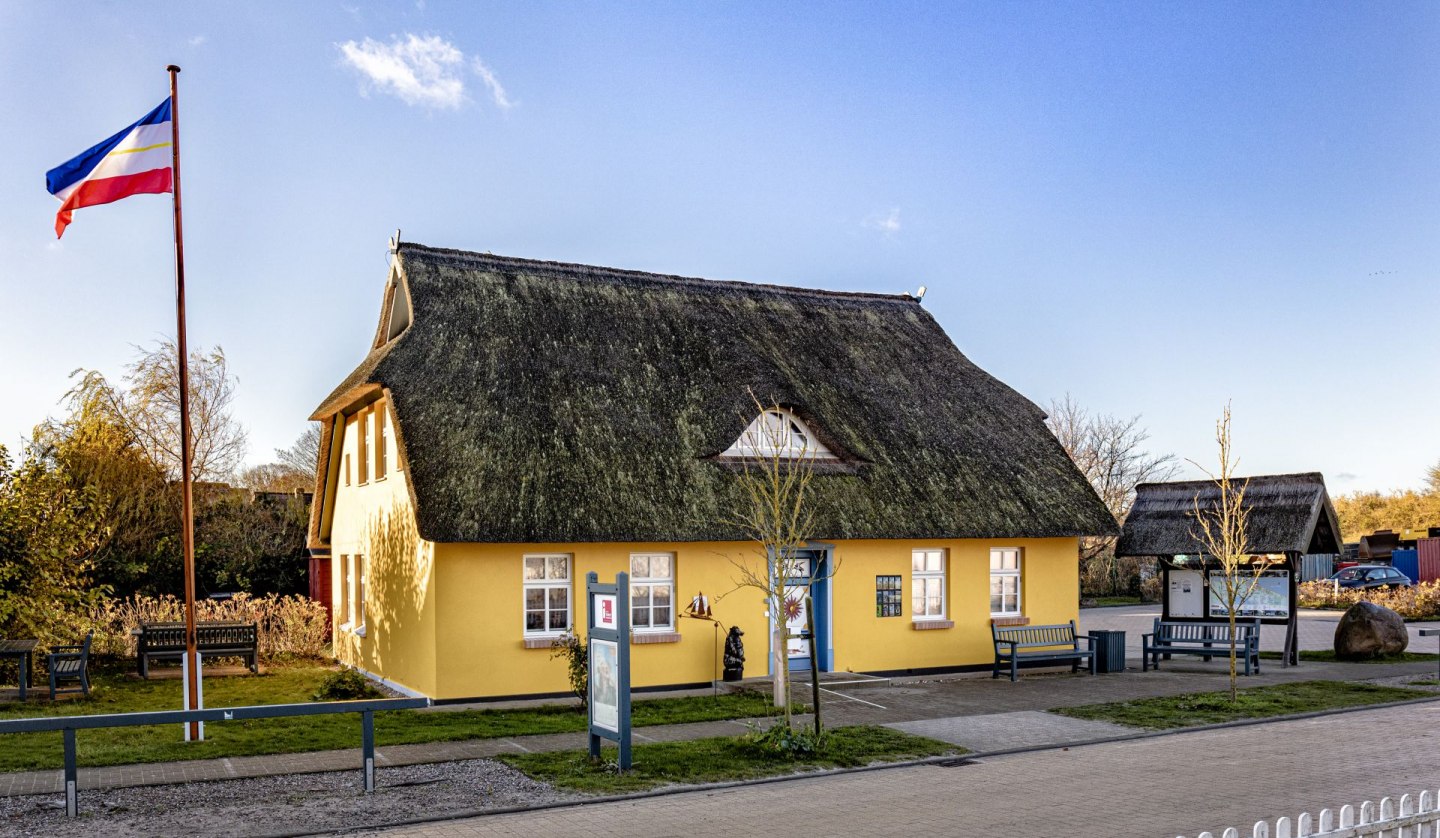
734, 654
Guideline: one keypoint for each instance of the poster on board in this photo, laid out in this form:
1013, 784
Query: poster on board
1269, 600
605, 613
1187, 593
605, 684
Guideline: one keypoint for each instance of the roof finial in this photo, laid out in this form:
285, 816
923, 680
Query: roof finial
920, 295
395, 242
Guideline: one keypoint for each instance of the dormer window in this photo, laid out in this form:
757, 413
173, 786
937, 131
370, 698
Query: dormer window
778, 432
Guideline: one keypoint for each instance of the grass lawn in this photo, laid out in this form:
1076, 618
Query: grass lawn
1328, 656
1252, 703
720, 759
115, 693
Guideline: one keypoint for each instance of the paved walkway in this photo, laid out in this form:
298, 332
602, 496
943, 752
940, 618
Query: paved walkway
1148, 788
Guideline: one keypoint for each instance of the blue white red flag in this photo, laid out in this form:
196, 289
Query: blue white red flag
135, 161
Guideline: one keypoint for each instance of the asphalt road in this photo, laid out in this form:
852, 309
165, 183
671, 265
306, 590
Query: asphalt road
1162, 787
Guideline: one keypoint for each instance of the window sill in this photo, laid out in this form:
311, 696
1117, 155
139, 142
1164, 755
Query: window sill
1009, 620
359, 632
640, 638
547, 642
931, 625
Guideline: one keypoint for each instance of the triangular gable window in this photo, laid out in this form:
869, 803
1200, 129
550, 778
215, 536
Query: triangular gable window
778, 432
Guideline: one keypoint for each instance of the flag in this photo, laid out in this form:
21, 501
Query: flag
135, 161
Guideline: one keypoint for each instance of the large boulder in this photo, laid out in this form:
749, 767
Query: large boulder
1368, 631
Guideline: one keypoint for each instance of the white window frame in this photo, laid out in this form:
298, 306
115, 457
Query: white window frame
921, 576
382, 442
344, 598
546, 584
359, 614
1015, 573
778, 432
653, 582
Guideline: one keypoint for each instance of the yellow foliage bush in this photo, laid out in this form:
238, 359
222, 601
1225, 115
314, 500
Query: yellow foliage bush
1421, 602
288, 625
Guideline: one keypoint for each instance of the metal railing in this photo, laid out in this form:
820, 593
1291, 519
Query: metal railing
70, 724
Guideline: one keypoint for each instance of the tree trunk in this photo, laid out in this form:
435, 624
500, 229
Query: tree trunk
1233, 695
780, 667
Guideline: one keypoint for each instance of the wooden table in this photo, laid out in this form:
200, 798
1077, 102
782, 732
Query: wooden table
20, 650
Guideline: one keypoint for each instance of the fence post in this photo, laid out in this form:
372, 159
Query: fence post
367, 747
72, 802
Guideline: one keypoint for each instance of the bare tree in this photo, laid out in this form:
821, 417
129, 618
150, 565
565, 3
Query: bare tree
303, 457
1222, 532
149, 409
1111, 453
276, 477
776, 513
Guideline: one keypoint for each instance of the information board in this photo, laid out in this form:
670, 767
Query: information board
608, 639
1269, 599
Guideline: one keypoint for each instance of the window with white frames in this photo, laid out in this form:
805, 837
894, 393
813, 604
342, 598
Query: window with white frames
362, 446
343, 607
359, 609
382, 442
778, 432
927, 584
652, 591
1005, 581
547, 594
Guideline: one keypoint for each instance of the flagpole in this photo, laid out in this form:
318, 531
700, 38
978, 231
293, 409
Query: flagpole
187, 495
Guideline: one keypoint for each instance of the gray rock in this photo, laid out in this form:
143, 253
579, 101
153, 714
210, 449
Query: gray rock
1370, 631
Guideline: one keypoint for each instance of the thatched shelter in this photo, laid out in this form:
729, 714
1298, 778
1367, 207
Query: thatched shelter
517, 423
1287, 516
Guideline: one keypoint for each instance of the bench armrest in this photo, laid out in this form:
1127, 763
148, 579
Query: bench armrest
1089, 641
1011, 643
1146, 637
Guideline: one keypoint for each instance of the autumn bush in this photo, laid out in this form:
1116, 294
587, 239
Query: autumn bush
289, 626
1421, 602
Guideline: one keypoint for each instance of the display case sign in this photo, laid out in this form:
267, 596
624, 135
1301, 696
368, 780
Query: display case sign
608, 642
1268, 599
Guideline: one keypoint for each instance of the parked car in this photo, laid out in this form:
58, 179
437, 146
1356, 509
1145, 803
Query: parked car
1371, 576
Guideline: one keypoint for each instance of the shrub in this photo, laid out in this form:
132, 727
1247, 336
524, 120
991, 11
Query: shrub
345, 685
785, 741
1421, 602
288, 626
577, 659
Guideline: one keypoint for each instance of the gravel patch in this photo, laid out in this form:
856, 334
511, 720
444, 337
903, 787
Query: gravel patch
1406, 681
279, 805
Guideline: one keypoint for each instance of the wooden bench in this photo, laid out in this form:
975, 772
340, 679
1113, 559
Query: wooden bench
70, 663
1208, 640
167, 640
1039, 643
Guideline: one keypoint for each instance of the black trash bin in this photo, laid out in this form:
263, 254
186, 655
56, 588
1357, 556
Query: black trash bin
1109, 649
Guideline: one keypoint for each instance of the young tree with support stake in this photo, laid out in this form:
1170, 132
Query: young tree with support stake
1222, 533
775, 512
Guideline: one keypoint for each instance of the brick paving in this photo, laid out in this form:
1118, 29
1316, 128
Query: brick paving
1151, 788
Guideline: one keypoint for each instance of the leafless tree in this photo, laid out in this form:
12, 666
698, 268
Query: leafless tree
1110, 451
1222, 532
149, 409
303, 457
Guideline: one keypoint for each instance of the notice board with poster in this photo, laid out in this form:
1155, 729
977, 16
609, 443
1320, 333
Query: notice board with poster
1269, 599
1185, 594
608, 639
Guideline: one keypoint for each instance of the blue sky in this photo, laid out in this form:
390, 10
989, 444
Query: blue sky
1156, 207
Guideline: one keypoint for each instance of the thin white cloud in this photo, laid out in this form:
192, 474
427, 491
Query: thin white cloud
419, 71
497, 92
886, 222
197, 40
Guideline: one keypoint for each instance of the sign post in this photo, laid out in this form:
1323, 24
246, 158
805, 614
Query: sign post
608, 636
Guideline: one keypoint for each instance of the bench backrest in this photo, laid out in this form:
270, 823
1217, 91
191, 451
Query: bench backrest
1200, 632
223, 635
1032, 636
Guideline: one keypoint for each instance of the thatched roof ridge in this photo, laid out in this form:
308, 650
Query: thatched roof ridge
541, 401
1287, 513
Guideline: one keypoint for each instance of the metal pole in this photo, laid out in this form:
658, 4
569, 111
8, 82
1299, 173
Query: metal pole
367, 747
814, 664
72, 802
187, 496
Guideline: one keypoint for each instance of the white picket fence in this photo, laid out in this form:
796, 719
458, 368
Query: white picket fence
1408, 818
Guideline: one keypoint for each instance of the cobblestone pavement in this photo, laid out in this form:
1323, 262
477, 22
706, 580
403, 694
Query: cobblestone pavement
1009, 731
1149, 788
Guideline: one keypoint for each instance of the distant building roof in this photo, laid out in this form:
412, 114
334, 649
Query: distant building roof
1288, 513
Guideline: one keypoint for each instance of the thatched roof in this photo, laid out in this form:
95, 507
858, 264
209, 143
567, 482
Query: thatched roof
539, 401
1287, 513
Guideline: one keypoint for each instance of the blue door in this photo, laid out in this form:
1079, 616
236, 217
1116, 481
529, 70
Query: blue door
804, 573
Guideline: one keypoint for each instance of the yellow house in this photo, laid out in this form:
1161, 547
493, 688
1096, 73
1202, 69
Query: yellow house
518, 424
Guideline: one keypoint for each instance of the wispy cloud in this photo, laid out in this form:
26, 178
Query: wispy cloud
886, 222
1347, 477
197, 40
420, 70
497, 91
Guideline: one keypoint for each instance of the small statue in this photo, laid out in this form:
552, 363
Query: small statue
734, 655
